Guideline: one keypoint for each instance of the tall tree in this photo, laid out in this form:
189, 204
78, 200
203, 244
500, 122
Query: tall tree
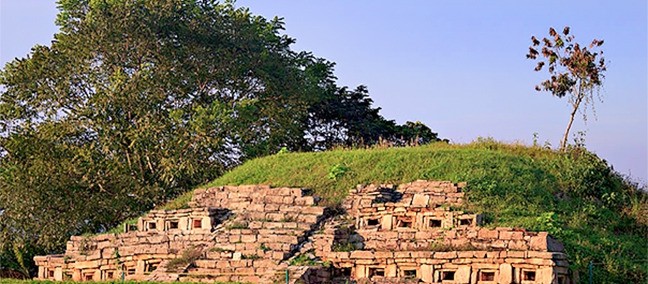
575, 70
136, 101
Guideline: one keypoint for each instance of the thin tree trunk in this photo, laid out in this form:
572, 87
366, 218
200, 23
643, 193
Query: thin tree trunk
563, 144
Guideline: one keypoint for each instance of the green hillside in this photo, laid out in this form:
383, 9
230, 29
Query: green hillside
574, 195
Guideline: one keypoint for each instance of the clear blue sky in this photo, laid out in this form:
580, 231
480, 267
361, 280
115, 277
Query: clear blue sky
457, 66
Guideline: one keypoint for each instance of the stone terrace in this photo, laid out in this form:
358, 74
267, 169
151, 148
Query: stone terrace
416, 232
229, 234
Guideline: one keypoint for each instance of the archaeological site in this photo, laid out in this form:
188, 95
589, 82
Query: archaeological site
411, 233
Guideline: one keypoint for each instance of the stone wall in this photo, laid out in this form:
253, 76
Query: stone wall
416, 232
229, 234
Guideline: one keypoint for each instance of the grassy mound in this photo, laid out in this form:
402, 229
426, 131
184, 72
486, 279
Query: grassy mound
574, 195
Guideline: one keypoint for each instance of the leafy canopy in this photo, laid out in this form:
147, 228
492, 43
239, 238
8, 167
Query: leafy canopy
136, 101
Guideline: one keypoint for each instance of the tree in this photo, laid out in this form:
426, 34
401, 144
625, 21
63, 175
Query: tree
575, 71
137, 101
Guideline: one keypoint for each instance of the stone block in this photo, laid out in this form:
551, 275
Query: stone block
250, 279
538, 242
540, 261
493, 254
305, 201
271, 207
539, 254
274, 199
420, 200
384, 254
545, 275
402, 254
515, 260
427, 273
387, 222
308, 218
313, 210
96, 276
465, 254
423, 235
505, 274
234, 238
248, 238
360, 271
479, 254
58, 274
288, 200
362, 254
278, 255
520, 245
488, 234
368, 261
511, 235
422, 254
256, 207
445, 255
516, 254
391, 270
462, 275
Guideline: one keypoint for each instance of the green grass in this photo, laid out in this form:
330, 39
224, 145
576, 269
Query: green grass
574, 195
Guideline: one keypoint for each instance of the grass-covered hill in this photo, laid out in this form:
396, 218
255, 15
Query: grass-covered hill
601, 217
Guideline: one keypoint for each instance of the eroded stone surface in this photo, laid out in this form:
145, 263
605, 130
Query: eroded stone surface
415, 232
417, 229
237, 234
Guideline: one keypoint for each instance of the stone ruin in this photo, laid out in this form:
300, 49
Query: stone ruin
412, 233
416, 233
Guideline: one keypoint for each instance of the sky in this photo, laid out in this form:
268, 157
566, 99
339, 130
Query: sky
457, 66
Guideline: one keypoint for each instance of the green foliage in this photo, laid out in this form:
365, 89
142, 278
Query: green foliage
286, 219
250, 256
188, 256
218, 249
264, 248
549, 222
238, 225
337, 171
120, 228
137, 101
574, 195
440, 246
346, 117
302, 260
343, 247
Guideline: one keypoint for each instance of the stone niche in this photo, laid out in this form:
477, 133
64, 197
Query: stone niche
229, 234
411, 233
180, 220
417, 232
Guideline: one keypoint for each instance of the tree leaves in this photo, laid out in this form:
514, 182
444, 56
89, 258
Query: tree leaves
137, 101
574, 70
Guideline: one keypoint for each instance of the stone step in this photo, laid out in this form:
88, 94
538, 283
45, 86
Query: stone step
239, 271
222, 279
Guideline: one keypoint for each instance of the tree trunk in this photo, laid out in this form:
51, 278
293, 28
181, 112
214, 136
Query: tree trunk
563, 143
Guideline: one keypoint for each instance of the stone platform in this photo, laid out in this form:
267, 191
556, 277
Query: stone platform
412, 233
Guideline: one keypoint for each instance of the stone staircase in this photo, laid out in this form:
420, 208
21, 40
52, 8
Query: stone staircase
264, 231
